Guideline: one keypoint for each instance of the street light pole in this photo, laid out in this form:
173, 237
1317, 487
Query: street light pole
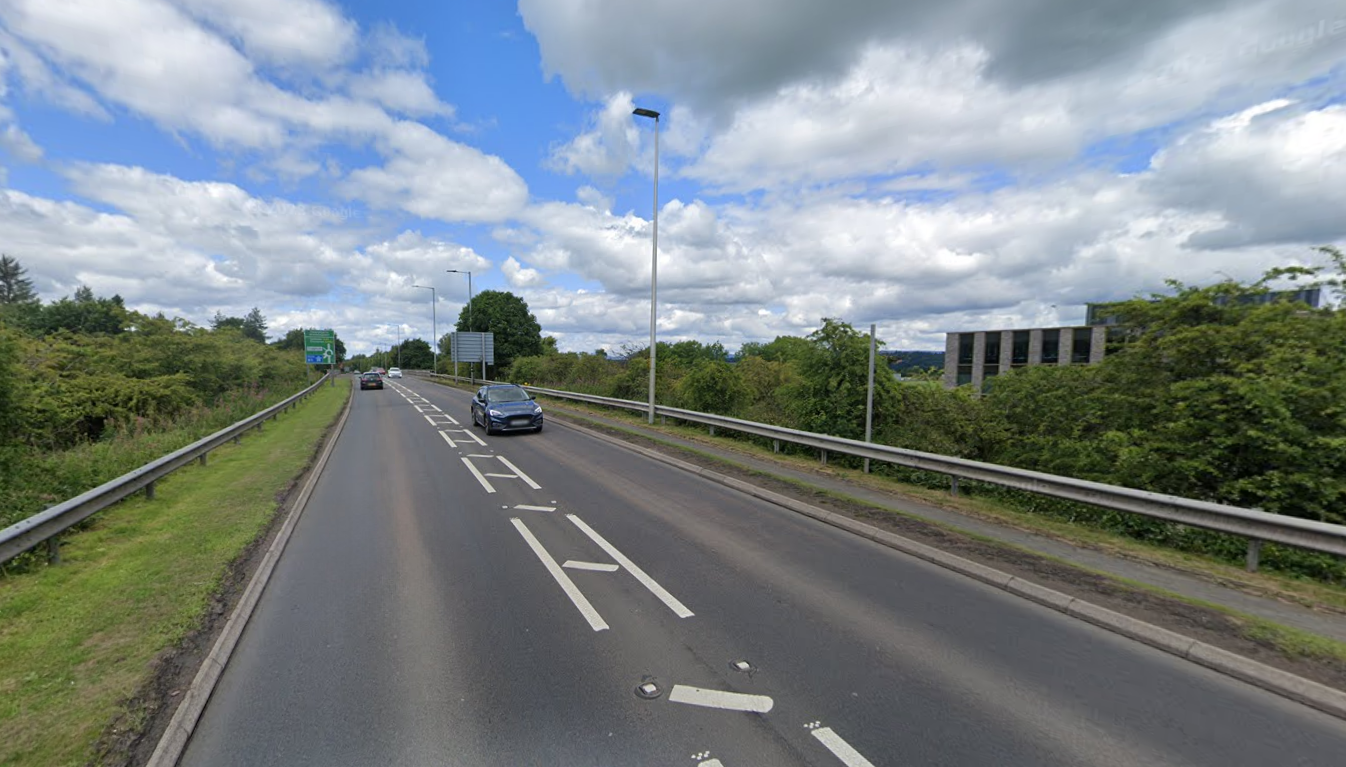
469, 326
654, 253
434, 325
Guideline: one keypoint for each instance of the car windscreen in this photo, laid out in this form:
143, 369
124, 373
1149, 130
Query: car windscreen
506, 395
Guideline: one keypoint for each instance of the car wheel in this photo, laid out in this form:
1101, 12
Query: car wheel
538, 430
487, 423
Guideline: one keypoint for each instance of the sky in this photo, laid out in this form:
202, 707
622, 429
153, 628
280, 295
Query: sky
928, 167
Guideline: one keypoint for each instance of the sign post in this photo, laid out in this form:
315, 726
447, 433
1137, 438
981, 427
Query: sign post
473, 347
320, 348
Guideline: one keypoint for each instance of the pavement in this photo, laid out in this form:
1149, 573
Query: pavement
450, 598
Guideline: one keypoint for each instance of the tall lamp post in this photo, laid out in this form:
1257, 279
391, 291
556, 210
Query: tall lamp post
434, 320
654, 251
469, 323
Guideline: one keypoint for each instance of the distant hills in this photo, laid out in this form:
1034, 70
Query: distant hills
902, 361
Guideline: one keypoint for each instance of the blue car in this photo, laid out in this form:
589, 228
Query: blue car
505, 407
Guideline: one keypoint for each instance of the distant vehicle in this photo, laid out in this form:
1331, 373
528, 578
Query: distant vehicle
371, 380
394, 372
505, 407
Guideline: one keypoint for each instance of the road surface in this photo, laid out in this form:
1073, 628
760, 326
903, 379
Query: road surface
450, 598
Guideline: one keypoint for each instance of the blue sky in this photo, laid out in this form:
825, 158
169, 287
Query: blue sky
976, 168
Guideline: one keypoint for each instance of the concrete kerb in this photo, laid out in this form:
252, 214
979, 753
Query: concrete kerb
174, 740
1299, 689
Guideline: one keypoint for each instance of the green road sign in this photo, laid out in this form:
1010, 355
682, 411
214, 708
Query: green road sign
320, 347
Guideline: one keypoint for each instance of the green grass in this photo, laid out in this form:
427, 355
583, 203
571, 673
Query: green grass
77, 640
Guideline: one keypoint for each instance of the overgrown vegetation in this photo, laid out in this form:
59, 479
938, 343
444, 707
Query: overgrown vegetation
90, 389
79, 642
1204, 394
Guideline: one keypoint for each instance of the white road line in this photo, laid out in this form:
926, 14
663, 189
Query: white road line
526, 507
840, 748
423, 408
519, 472
432, 416
601, 567
479, 455
477, 474
677, 607
710, 763
454, 442
731, 701
567, 585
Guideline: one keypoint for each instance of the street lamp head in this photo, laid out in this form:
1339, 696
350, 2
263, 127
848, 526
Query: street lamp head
640, 112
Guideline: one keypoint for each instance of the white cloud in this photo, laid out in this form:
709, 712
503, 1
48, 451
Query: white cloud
1274, 173
199, 83
520, 276
19, 144
433, 177
607, 148
302, 33
400, 90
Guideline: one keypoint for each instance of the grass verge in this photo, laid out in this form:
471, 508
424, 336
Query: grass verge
1269, 583
1117, 592
79, 640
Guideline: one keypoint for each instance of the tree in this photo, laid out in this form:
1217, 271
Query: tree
713, 386
517, 332
293, 340
14, 287
1206, 396
830, 395
254, 325
222, 322
84, 313
549, 345
413, 353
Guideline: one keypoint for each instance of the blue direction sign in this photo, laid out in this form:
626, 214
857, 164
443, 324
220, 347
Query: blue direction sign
320, 347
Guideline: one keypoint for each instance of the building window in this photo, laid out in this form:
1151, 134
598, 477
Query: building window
1019, 351
966, 348
964, 375
1081, 346
992, 356
1051, 346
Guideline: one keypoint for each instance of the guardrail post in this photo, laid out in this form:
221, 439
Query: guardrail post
202, 459
54, 550
1254, 554
712, 430
238, 440
953, 485
775, 446
149, 491
822, 456
866, 465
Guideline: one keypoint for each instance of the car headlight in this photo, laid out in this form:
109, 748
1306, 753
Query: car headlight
495, 413
537, 410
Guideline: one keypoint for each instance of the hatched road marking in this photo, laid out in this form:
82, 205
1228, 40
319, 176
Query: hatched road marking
568, 586
678, 608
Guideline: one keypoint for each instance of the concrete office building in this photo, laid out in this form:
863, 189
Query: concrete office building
971, 358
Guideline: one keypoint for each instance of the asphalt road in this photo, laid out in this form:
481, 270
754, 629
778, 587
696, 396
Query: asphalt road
450, 598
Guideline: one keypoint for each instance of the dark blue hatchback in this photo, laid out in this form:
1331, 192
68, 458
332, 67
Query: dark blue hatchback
505, 407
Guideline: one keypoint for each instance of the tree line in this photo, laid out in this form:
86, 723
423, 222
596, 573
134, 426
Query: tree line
85, 371
1202, 394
